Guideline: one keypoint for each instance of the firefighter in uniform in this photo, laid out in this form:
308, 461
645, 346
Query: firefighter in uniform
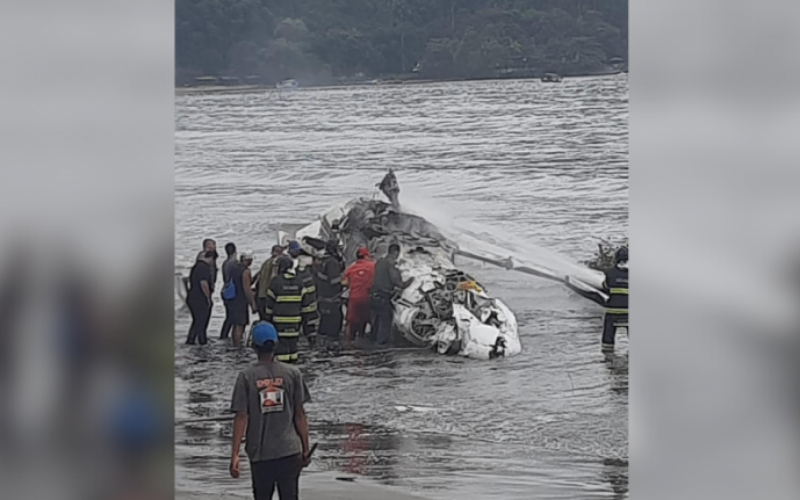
302, 265
616, 284
329, 292
291, 307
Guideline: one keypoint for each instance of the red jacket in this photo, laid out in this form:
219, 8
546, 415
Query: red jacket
359, 276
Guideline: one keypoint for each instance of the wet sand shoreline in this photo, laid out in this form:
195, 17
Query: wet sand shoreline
318, 486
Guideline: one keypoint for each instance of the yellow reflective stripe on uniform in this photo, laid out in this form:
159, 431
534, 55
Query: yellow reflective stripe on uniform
322, 276
309, 309
308, 289
336, 281
270, 294
619, 291
314, 321
287, 319
289, 298
613, 310
288, 334
268, 311
287, 357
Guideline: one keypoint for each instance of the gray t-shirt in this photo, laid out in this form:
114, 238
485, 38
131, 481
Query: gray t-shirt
268, 394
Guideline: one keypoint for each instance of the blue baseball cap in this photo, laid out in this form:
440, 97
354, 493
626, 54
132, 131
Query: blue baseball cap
264, 332
294, 246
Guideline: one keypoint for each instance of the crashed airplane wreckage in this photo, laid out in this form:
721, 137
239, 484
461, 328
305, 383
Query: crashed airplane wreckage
443, 308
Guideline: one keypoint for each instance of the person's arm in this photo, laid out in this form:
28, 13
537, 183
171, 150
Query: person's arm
239, 427
239, 406
309, 313
300, 419
269, 306
206, 291
247, 284
397, 278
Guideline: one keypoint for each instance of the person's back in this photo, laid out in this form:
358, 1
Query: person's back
329, 282
382, 280
292, 308
616, 284
267, 393
268, 400
227, 267
360, 276
201, 271
266, 273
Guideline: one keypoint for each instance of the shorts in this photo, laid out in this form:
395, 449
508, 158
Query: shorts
239, 312
358, 311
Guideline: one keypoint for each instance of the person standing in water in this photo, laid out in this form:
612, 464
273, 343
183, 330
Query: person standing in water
268, 400
292, 308
199, 299
616, 284
210, 245
268, 271
387, 281
358, 279
230, 262
243, 297
329, 291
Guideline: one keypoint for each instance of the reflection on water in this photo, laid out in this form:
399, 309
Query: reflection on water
543, 167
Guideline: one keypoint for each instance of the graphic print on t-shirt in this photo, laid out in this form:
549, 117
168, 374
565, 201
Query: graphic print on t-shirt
270, 392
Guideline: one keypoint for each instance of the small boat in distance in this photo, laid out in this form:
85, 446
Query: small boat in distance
551, 78
286, 84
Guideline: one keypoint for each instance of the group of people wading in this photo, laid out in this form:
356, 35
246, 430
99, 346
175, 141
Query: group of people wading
300, 294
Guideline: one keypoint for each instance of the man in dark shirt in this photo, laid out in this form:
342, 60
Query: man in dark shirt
387, 281
268, 401
230, 261
210, 245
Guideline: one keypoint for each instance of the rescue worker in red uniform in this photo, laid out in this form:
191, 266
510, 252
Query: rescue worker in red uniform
616, 284
358, 278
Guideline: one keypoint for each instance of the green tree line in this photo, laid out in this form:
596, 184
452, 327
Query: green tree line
321, 40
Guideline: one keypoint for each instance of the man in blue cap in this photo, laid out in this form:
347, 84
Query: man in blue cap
268, 401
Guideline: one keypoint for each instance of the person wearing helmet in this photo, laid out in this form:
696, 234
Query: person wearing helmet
292, 308
328, 279
616, 285
268, 400
269, 270
358, 279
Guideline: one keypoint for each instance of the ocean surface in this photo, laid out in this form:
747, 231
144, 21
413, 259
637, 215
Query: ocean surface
539, 170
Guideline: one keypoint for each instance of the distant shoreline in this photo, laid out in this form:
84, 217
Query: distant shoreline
237, 89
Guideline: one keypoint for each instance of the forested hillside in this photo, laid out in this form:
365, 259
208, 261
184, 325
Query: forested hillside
323, 40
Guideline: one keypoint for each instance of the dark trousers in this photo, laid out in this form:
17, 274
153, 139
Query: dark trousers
330, 319
383, 314
261, 306
226, 325
283, 472
286, 351
610, 323
201, 314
